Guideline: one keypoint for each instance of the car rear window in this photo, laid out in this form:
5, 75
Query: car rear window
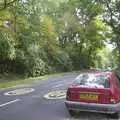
91, 80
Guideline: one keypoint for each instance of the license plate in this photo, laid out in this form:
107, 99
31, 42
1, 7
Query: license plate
88, 96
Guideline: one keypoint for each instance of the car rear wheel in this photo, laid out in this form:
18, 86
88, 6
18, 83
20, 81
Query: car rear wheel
71, 112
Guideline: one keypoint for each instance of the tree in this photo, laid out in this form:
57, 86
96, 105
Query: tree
44, 36
112, 18
6, 3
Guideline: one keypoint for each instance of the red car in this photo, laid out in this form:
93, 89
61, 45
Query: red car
95, 92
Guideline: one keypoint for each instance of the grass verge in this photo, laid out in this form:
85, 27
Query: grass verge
10, 80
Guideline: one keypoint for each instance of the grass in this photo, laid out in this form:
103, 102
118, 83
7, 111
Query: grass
10, 80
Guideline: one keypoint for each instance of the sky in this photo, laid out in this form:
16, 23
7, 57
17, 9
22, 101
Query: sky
110, 46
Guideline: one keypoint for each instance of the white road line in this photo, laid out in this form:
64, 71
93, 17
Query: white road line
10, 102
60, 81
57, 86
56, 82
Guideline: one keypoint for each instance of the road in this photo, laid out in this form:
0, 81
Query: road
33, 106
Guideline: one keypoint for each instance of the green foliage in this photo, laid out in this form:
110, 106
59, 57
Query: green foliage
37, 67
6, 3
7, 50
112, 18
44, 36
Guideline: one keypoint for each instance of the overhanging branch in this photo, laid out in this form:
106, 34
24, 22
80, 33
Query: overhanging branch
6, 4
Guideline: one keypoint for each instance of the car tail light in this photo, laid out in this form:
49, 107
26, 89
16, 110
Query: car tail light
68, 96
113, 100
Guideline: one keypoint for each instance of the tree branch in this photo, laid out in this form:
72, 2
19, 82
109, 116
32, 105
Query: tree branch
5, 5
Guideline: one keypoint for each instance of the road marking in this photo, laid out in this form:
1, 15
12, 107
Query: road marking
54, 95
60, 81
57, 86
56, 82
10, 102
19, 91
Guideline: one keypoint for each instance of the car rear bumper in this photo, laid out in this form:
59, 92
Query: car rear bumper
93, 107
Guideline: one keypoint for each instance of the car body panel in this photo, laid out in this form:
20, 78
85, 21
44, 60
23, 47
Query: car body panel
93, 107
102, 98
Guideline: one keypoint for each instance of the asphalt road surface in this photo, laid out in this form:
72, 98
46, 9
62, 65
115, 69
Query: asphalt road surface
33, 106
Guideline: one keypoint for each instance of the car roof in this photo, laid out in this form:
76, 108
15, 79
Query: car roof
106, 74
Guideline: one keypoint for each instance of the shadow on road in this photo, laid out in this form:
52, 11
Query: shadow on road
90, 116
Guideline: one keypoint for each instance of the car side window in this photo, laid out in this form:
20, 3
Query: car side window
117, 81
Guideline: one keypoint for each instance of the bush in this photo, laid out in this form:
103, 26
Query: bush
37, 67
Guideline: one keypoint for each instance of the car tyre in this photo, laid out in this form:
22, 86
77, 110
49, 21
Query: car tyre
71, 112
114, 116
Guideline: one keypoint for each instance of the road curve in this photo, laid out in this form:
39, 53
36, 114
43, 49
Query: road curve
33, 106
